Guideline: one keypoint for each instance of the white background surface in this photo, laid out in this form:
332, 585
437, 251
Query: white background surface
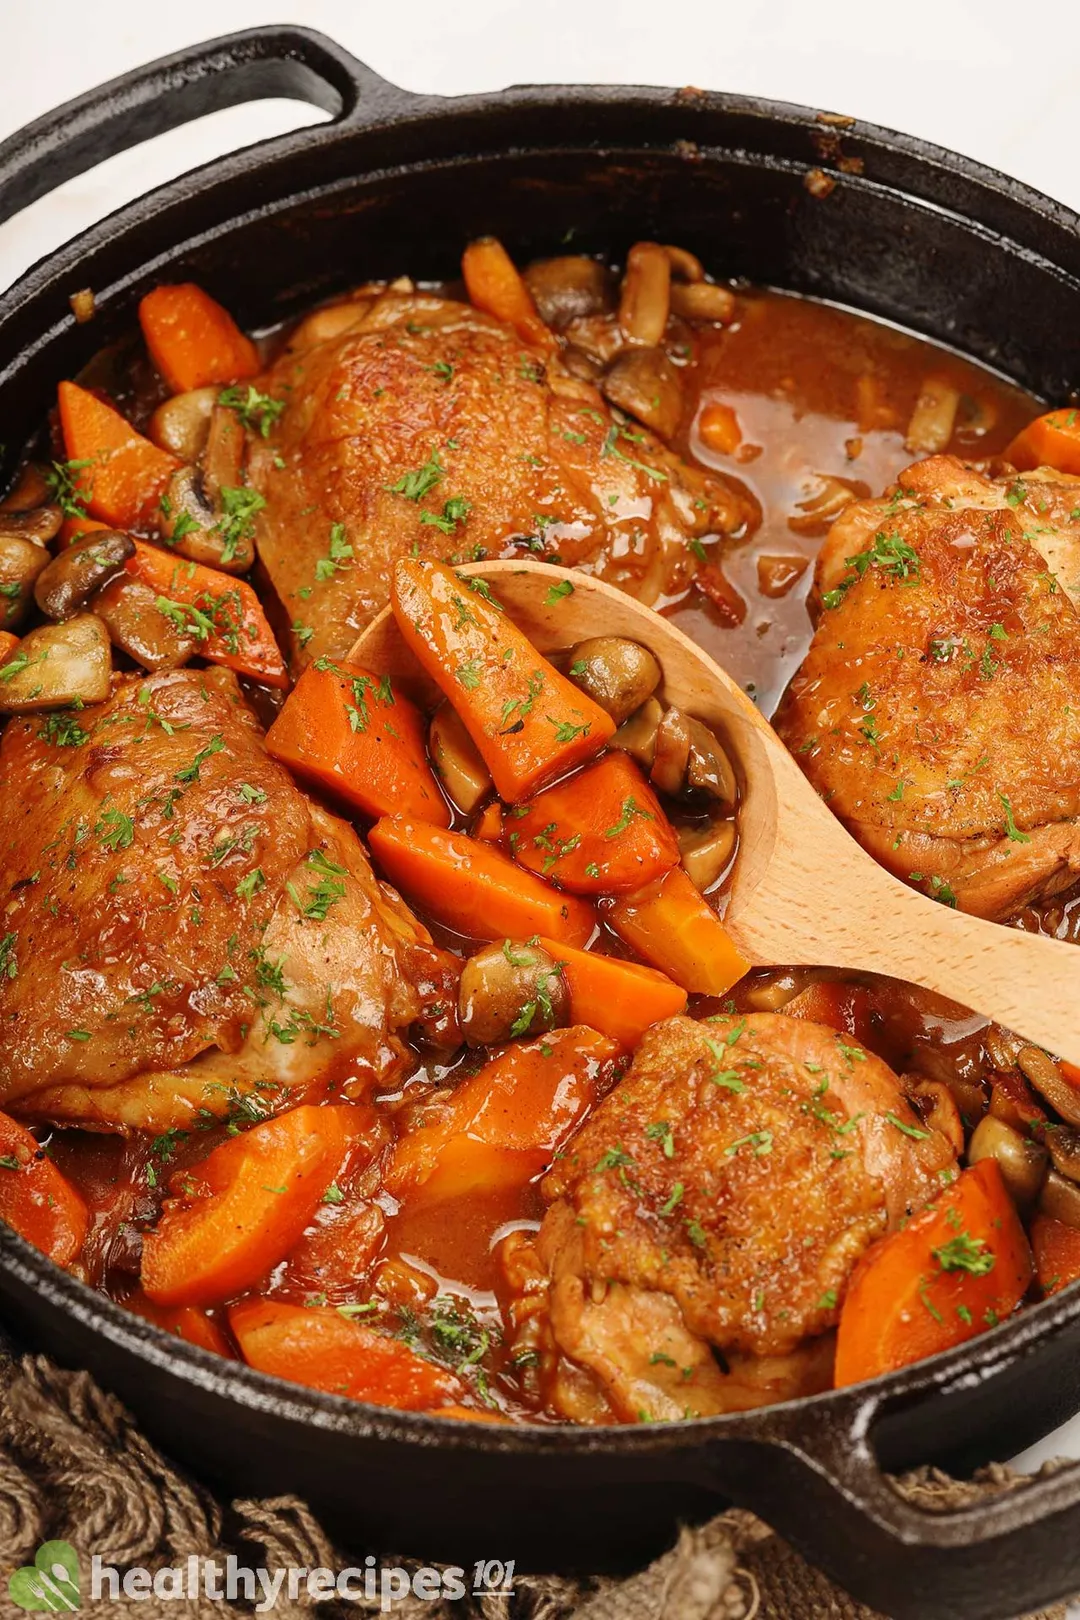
985, 77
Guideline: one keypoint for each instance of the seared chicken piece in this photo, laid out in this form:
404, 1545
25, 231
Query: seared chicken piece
718, 1199
185, 933
938, 709
427, 428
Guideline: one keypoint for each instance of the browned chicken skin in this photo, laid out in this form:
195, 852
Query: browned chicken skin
425, 427
183, 927
938, 709
719, 1197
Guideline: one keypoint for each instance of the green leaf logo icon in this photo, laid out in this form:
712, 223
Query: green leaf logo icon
50, 1582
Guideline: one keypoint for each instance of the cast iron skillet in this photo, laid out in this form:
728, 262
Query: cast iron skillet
398, 182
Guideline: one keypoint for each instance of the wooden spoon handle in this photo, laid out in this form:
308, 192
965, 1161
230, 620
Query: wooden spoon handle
859, 917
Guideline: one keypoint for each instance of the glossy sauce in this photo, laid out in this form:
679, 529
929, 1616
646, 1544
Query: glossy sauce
817, 391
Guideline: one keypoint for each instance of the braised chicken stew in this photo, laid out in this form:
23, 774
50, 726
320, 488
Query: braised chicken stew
392, 1041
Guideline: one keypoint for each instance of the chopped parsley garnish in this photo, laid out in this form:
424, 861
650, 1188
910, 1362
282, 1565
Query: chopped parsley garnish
454, 511
63, 730
631, 810
908, 1130
116, 830
557, 592
340, 553
415, 485
190, 773
1012, 831
965, 1253
256, 411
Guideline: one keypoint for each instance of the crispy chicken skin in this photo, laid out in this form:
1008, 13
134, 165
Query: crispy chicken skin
183, 927
938, 709
719, 1198
437, 394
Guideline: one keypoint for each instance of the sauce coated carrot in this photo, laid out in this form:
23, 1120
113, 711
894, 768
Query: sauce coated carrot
123, 475
192, 340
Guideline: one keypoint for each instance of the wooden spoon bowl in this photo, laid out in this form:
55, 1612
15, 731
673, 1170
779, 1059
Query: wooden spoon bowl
803, 893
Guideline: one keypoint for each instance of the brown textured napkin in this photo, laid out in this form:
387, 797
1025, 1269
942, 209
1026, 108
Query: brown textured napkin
74, 1467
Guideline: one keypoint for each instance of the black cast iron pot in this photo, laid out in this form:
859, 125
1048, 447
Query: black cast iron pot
398, 182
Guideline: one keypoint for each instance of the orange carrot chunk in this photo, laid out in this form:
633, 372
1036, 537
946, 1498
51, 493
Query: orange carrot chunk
529, 723
324, 1349
123, 475
523, 1103
350, 734
473, 887
620, 999
238, 1213
222, 613
193, 342
489, 823
1052, 440
602, 831
188, 1322
495, 285
36, 1199
1056, 1248
952, 1272
674, 928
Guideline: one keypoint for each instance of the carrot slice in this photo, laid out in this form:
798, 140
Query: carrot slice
529, 722
188, 1322
242, 1210
524, 1102
222, 613
1052, 440
676, 930
193, 342
620, 999
952, 1272
124, 475
495, 285
349, 733
323, 1349
489, 823
602, 831
1056, 1248
473, 887
36, 1199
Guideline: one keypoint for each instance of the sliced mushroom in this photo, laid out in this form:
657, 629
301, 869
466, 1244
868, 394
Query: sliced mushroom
21, 561
511, 988
216, 535
1063, 1141
934, 417
223, 457
617, 673
672, 753
322, 325
566, 288
128, 609
703, 301
182, 424
66, 585
581, 365
936, 1105
39, 524
646, 294
706, 852
708, 767
684, 264
31, 488
637, 736
775, 987
1046, 1077
56, 666
815, 514
1023, 1163
457, 760
645, 384
1060, 1199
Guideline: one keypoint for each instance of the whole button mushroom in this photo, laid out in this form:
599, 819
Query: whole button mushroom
511, 988
64, 587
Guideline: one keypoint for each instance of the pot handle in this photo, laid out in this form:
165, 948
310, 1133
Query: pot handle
254, 63
823, 1488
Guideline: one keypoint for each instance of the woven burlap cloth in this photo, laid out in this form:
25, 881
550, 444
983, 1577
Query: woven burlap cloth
74, 1466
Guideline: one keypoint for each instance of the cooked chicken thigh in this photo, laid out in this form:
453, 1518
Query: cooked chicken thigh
718, 1199
938, 709
425, 427
185, 932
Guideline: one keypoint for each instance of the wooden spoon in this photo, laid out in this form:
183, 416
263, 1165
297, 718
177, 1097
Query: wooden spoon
804, 893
